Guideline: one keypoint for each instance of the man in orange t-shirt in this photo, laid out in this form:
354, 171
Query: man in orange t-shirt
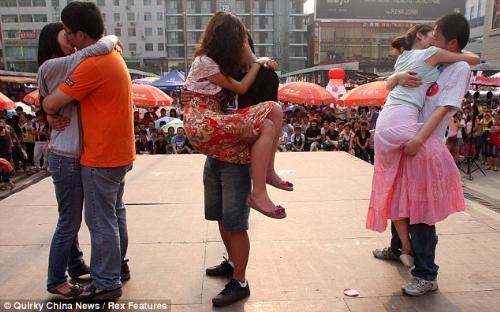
103, 87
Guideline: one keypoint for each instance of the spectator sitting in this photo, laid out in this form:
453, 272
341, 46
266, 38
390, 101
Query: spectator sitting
163, 113
345, 140
161, 146
372, 117
362, 140
313, 137
331, 141
283, 141
298, 140
143, 145
7, 170
179, 141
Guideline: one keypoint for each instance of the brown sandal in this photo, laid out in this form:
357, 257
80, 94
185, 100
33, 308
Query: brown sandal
278, 212
74, 291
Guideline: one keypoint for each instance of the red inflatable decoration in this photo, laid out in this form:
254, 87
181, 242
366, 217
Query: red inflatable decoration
336, 73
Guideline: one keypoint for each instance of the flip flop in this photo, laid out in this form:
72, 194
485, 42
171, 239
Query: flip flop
278, 212
282, 185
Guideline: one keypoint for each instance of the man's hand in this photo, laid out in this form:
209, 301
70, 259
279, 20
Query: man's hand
408, 79
248, 132
411, 147
57, 122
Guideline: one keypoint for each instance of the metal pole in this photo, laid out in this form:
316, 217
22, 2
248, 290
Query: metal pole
184, 13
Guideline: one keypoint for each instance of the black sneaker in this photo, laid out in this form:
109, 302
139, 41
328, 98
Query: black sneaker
125, 272
231, 293
91, 292
223, 269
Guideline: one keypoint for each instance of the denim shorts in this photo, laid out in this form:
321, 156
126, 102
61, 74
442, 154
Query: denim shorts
227, 187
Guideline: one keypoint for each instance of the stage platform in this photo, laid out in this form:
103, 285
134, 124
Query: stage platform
302, 263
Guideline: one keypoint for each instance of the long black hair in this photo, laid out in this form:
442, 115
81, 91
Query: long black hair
48, 47
222, 41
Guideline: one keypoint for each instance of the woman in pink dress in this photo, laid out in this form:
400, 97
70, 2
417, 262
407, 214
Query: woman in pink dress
424, 188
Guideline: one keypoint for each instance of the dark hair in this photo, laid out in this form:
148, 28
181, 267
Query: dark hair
222, 41
48, 47
170, 128
163, 122
85, 17
406, 41
454, 26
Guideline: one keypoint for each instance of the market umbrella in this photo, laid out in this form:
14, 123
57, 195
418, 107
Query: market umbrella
369, 94
305, 92
174, 122
6, 103
32, 98
149, 96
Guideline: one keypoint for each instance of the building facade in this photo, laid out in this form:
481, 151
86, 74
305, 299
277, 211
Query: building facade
362, 30
491, 37
159, 35
474, 12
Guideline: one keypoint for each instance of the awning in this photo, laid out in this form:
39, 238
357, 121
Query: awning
17, 79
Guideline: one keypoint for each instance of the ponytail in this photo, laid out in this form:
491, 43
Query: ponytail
406, 41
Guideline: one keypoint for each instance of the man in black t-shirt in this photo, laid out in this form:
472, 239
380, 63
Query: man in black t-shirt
331, 138
313, 136
362, 140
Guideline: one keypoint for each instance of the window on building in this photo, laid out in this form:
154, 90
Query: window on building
472, 8
11, 18
130, 17
24, 3
10, 34
173, 21
161, 46
103, 16
147, 2
101, 3
55, 3
26, 18
130, 2
480, 6
131, 32
159, 16
160, 31
148, 31
116, 17
132, 47
116, 2
148, 47
39, 3
148, 16
118, 32
9, 3
495, 19
159, 2
40, 18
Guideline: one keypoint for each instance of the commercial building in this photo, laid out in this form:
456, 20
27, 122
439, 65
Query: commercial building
362, 30
491, 37
159, 35
474, 12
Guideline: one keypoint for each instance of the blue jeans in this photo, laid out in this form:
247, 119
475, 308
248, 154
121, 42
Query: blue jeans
107, 222
65, 252
226, 189
423, 241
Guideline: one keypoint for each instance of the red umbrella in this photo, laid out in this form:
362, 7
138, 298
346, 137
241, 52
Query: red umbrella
149, 96
370, 94
32, 98
305, 92
6, 103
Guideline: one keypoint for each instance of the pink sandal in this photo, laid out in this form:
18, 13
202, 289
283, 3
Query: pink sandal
278, 212
282, 185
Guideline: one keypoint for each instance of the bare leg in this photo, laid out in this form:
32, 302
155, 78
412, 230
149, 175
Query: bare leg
260, 158
276, 116
226, 239
240, 250
404, 235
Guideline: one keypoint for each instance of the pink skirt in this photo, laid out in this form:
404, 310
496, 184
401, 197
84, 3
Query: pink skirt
424, 188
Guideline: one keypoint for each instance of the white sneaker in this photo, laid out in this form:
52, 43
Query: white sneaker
418, 286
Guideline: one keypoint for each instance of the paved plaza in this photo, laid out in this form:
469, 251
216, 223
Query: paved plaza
301, 263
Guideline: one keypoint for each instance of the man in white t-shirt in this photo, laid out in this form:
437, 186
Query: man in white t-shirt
443, 99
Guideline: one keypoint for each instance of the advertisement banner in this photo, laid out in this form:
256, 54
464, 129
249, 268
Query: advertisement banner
387, 9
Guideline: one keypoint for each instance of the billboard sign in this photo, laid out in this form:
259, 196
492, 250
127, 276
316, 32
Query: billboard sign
387, 9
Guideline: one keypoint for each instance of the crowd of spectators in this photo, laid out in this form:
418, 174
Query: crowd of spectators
474, 132
329, 128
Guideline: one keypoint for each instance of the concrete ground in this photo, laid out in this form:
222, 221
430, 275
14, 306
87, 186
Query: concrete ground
301, 263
